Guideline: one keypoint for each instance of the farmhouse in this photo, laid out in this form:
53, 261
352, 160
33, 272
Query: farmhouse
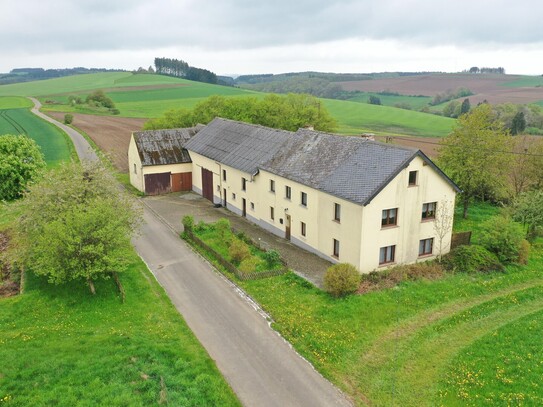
158, 161
347, 199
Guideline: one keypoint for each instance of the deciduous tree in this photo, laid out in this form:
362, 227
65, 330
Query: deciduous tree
21, 162
475, 155
76, 225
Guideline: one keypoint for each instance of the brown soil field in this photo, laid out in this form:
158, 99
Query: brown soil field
483, 86
428, 145
111, 134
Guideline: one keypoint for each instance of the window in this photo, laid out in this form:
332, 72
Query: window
413, 178
389, 217
272, 185
233, 196
288, 192
243, 184
429, 210
252, 206
303, 230
304, 199
135, 170
337, 212
426, 246
386, 254
336, 248
272, 213
224, 175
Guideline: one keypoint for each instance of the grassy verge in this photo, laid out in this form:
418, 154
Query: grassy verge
62, 346
417, 344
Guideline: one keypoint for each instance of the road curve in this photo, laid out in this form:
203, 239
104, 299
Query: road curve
260, 366
82, 147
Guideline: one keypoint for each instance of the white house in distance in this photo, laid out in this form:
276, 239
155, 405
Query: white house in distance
347, 199
158, 161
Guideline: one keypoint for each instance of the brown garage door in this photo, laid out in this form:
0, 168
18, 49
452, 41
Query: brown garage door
207, 184
182, 181
156, 184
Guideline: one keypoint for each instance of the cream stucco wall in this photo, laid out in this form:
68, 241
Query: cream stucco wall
359, 230
137, 172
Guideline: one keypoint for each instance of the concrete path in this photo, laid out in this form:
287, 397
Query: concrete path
173, 207
82, 147
261, 367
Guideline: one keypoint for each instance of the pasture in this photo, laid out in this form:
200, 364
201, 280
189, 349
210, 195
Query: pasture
414, 102
54, 144
355, 118
453, 341
59, 345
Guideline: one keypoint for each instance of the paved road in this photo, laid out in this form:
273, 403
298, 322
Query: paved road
261, 367
82, 147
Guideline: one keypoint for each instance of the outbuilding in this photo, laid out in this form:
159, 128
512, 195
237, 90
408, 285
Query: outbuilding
158, 161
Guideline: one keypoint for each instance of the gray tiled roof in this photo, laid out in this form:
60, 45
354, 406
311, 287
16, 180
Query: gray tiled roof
239, 145
351, 168
159, 147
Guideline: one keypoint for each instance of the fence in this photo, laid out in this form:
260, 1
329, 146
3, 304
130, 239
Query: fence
460, 238
230, 267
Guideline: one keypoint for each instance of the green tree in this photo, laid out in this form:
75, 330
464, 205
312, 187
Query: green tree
475, 155
99, 97
503, 237
76, 225
528, 209
518, 124
466, 106
374, 100
21, 162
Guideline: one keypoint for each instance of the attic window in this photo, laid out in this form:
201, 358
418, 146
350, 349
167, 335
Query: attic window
413, 178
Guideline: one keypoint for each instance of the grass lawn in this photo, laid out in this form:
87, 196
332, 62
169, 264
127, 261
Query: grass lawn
418, 344
59, 345
356, 118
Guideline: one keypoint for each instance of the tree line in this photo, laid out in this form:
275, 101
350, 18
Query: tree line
498, 70
181, 69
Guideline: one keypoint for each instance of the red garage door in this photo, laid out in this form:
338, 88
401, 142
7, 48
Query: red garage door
156, 184
182, 181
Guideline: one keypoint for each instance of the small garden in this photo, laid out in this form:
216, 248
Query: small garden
234, 251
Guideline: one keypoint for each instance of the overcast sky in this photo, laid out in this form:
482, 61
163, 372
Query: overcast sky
274, 36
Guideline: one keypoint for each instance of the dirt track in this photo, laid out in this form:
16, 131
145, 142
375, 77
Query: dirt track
111, 134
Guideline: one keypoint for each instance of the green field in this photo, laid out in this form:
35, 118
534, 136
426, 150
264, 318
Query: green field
525, 81
421, 343
355, 118
153, 101
53, 143
415, 102
15, 102
61, 346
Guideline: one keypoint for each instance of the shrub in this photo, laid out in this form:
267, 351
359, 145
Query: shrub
472, 259
222, 226
249, 264
188, 222
238, 251
503, 237
272, 258
341, 279
114, 111
524, 252
201, 226
68, 118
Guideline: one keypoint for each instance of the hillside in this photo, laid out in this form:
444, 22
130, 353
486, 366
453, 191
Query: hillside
148, 96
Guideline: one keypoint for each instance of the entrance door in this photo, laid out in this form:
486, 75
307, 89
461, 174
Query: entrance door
244, 207
224, 200
207, 184
287, 227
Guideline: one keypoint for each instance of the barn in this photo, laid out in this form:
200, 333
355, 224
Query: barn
158, 161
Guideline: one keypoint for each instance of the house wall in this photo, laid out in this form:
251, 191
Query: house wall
359, 230
410, 229
138, 172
